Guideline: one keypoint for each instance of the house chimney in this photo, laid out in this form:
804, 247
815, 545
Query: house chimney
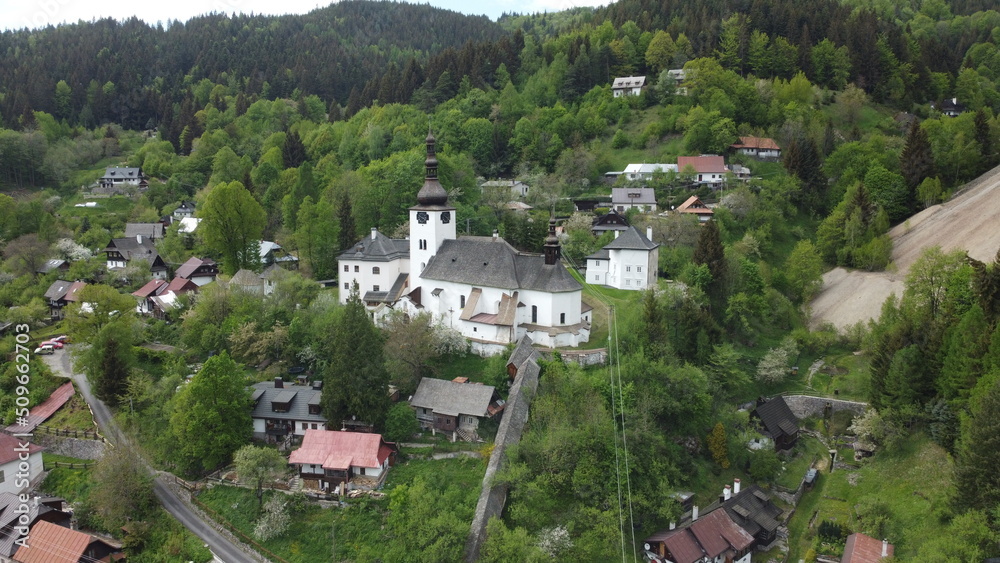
736, 486
885, 548
694, 513
673, 525
138, 239
278, 383
496, 234
617, 233
649, 232
727, 493
373, 233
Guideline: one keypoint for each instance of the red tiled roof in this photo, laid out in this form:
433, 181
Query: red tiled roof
683, 547
9, 445
863, 549
41, 412
334, 449
51, 543
188, 268
694, 205
153, 287
180, 285
756, 143
71, 293
705, 164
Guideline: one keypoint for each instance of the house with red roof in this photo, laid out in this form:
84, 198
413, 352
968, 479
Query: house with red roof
714, 537
51, 543
758, 147
332, 457
705, 169
865, 549
199, 270
158, 297
14, 452
62, 293
694, 206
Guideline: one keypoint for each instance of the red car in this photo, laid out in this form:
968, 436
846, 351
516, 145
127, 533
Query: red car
54, 343
61, 338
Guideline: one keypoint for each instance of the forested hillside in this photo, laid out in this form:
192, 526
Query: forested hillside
315, 127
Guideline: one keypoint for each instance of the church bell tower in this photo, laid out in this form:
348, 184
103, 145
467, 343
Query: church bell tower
432, 220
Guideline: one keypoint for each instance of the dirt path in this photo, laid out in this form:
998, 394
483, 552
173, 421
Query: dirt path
968, 222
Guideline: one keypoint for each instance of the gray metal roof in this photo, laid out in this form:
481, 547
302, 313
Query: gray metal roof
601, 254
303, 396
378, 249
151, 230
52, 264
483, 261
119, 172
448, 397
631, 239
633, 195
57, 290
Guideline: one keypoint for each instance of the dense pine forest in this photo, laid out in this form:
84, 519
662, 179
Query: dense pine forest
314, 126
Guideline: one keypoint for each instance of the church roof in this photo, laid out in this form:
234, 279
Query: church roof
377, 248
432, 194
483, 261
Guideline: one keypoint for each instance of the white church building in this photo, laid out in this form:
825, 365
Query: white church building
483, 287
628, 262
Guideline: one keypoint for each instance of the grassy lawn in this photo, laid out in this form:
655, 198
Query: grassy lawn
806, 451
452, 366
910, 486
315, 532
70, 484
600, 297
74, 415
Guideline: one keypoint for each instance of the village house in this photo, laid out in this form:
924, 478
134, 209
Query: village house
628, 86
60, 294
135, 250
630, 261
47, 509
52, 543
454, 407
199, 270
644, 172
10, 480
158, 297
704, 169
56, 264
481, 286
694, 206
116, 177
151, 231
328, 458
950, 107
641, 199
184, 210
517, 188
730, 529
758, 147
610, 221
679, 76
283, 409
272, 253
777, 421
861, 548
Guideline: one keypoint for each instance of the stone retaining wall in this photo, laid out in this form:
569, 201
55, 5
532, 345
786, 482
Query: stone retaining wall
71, 447
805, 406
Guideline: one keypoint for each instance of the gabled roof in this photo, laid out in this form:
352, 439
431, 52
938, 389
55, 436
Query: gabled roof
9, 517
73, 293
644, 196
272, 273
9, 445
753, 510
180, 286
649, 168
704, 164
114, 172
861, 548
55, 263
629, 82
777, 418
152, 287
334, 449
132, 249
611, 221
185, 206
695, 206
601, 254
57, 290
524, 356
246, 278
299, 409
42, 411
51, 543
377, 248
151, 230
631, 239
762, 143
485, 262
448, 397
188, 268
267, 247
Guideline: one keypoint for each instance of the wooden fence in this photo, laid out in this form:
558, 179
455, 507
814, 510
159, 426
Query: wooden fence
53, 464
71, 433
236, 531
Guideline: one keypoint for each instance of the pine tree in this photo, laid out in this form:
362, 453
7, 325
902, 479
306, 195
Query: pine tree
985, 140
710, 252
294, 152
801, 158
917, 160
717, 445
978, 454
345, 216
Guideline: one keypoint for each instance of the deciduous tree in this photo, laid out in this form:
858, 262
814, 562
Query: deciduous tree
232, 225
256, 466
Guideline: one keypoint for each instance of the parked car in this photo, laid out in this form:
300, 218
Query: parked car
45, 349
61, 338
54, 343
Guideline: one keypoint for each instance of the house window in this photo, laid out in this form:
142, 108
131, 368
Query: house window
638, 269
376, 270
305, 425
475, 329
596, 277
347, 268
1, 476
562, 318
461, 302
423, 244
628, 282
347, 286
357, 269
534, 313
597, 262
628, 268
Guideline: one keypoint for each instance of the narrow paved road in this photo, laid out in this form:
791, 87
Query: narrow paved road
223, 548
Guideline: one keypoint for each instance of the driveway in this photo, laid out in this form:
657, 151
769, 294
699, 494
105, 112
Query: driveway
224, 549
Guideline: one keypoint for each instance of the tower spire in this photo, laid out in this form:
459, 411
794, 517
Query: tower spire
552, 248
432, 193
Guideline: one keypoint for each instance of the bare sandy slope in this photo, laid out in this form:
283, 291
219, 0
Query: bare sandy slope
969, 221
